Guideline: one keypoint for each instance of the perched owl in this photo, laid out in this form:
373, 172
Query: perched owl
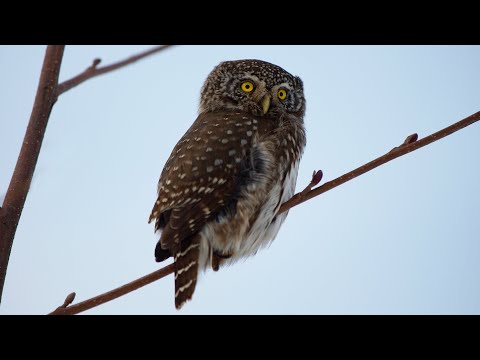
221, 188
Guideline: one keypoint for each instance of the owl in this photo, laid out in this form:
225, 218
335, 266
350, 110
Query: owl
221, 188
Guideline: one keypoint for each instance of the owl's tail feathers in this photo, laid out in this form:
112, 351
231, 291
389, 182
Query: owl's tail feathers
186, 269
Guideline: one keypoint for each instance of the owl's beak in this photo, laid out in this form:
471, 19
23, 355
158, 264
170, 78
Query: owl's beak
265, 103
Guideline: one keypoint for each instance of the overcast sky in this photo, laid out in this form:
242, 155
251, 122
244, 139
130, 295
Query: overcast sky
404, 238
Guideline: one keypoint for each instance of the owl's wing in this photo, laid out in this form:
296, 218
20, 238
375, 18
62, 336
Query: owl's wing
205, 174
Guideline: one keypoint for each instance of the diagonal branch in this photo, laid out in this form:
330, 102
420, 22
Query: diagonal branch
93, 70
112, 294
410, 144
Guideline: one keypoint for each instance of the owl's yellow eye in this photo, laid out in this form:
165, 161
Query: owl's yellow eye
247, 86
282, 94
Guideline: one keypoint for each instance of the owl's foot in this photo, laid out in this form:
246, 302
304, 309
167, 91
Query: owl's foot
217, 259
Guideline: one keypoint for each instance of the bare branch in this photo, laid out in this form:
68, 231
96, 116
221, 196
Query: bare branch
47, 94
93, 70
115, 293
410, 144
27, 160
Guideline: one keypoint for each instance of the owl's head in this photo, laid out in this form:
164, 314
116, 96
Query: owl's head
253, 86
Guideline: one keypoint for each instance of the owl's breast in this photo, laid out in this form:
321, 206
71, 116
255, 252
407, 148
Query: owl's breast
255, 223
266, 223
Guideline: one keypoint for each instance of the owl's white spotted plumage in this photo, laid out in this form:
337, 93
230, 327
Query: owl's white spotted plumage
221, 188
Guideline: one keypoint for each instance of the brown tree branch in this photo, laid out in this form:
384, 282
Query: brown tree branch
410, 144
47, 93
112, 294
93, 70
27, 160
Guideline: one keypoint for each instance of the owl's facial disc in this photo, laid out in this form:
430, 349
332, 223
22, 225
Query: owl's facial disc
242, 86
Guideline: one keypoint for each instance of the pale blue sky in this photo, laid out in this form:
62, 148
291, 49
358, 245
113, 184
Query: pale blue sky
403, 238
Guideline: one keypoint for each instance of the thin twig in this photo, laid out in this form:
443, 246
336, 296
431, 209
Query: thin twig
27, 160
93, 70
410, 144
115, 293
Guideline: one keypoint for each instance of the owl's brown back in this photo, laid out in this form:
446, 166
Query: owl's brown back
205, 172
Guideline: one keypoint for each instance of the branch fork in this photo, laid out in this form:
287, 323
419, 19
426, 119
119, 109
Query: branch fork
48, 91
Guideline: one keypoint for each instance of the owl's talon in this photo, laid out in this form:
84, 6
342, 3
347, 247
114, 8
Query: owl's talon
215, 262
217, 259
